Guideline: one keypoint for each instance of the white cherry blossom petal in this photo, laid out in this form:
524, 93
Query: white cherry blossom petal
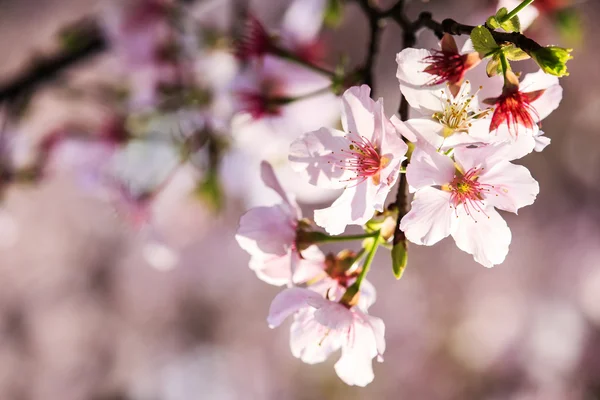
309, 340
358, 115
355, 366
319, 154
541, 141
411, 66
485, 236
354, 207
289, 301
266, 230
513, 186
428, 168
431, 217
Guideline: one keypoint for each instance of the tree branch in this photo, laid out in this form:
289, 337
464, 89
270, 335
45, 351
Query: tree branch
45, 69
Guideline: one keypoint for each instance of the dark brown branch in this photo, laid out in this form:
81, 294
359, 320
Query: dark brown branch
401, 203
375, 33
452, 27
46, 69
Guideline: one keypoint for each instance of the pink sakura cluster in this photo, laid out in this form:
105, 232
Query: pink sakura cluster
457, 154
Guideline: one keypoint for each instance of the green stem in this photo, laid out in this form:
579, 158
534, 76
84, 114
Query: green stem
352, 291
516, 10
504, 63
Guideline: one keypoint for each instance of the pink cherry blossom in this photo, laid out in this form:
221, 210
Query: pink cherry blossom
458, 197
364, 160
268, 234
275, 99
522, 106
322, 326
417, 67
140, 31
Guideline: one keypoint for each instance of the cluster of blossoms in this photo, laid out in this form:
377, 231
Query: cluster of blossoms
205, 114
455, 154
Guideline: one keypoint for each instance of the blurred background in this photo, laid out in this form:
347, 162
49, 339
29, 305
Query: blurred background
99, 301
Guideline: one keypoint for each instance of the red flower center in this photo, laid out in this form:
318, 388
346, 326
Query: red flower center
466, 189
363, 159
445, 67
514, 108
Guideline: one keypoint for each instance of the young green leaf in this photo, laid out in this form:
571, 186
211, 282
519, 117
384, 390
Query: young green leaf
483, 41
552, 59
513, 53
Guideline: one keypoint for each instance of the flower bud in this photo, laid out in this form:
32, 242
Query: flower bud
552, 60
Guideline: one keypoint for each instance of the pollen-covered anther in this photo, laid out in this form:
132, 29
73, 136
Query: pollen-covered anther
363, 159
466, 190
457, 115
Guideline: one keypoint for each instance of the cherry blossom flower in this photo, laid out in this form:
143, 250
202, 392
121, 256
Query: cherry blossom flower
140, 31
322, 326
255, 41
449, 120
365, 160
269, 235
458, 197
522, 106
418, 68
274, 99
299, 33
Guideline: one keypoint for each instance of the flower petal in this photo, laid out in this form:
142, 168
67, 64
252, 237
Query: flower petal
430, 219
270, 180
429, 168
290, 300
266, 230
309, 340
358, 111
513, 186
355, 366
550, 99
354, 207
541, 141
318, 155
272, 269
485, 237
411, 65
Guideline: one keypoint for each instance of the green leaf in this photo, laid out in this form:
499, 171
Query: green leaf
513, 53
483, 41
399, 258
492, 23
333, 13
499, 21
552, 59
512, 25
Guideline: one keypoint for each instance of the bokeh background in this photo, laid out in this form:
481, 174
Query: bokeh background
84, 315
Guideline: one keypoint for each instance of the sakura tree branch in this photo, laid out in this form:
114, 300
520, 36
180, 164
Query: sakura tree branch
452, 27
401, 204
43, 70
